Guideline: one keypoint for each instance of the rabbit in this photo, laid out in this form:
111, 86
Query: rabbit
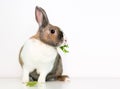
38, 57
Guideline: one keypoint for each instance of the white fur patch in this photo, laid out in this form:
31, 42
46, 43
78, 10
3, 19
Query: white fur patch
38, 55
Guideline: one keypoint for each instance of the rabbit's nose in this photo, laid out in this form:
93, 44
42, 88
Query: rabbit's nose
65, 40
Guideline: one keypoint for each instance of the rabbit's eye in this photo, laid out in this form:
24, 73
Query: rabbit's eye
52, 31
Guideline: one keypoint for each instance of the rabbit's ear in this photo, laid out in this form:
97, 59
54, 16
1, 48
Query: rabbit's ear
41, 17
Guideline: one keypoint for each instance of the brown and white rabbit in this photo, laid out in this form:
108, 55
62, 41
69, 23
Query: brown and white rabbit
39, 57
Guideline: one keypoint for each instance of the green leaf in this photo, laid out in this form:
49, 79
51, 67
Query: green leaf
63, 48
31, 84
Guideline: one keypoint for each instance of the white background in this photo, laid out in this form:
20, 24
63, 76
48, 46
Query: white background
91, 26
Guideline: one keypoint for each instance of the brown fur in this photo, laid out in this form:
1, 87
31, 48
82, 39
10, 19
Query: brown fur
36, 36
20, 59
62, 78
52, 39
56, 72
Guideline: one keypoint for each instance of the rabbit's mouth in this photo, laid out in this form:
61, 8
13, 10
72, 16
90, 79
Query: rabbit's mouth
62, 42
59, 43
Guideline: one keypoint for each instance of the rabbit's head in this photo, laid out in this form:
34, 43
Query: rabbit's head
48, 33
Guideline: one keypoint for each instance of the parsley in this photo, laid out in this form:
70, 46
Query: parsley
31, 84
63, 48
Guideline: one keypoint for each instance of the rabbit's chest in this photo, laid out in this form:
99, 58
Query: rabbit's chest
36, 53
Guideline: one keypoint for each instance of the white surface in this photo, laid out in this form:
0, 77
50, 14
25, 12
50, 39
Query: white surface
92, 28
75, 83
